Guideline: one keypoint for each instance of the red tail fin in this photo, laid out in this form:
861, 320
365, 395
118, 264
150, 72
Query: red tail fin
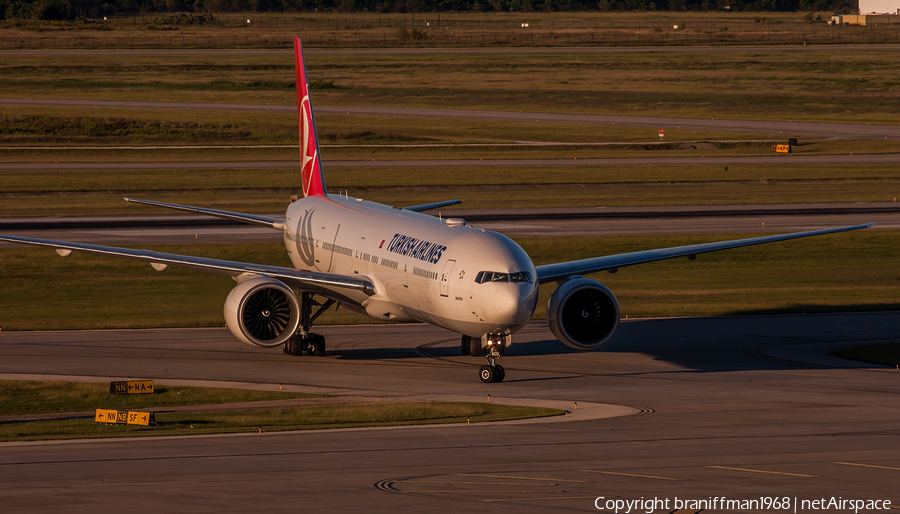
311, 167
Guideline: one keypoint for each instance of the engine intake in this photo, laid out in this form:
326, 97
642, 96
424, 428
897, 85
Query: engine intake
262, 311
583, 313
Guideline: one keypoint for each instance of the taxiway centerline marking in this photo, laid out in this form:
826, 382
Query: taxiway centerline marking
764, 471
470, 483
445, 491
631, 475
867, 466
521, 478
543, 498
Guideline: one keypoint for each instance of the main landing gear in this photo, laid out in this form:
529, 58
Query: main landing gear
304, 340
492, 350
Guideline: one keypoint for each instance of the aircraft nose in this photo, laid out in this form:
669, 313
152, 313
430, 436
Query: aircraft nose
515, 303
506, 302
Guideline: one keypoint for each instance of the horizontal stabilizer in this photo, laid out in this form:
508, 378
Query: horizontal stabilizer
429, 206
252, 219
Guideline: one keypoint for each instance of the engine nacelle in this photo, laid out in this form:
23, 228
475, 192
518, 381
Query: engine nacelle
583, 313
262, 311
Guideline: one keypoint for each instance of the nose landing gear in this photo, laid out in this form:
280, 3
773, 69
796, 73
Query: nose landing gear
494, 347
492, 373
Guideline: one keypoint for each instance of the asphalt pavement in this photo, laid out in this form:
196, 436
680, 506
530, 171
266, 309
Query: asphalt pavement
709, 409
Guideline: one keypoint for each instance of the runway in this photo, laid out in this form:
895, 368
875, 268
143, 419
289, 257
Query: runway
427, 51
767, 160
717, 415
559, 222
788, 127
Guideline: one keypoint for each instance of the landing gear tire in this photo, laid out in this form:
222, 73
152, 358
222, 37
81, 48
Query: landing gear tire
464, 344
304, 341
475, 349
294, 346
317, 345
488, 374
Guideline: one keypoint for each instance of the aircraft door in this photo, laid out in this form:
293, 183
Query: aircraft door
325, 243
406, 271
358, 257
445, 278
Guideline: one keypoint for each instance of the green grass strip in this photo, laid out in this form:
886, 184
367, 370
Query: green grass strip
24, 397
269, 420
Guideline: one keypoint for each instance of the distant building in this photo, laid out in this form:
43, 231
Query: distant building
865, 19
879, 6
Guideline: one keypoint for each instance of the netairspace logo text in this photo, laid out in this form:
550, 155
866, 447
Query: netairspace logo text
761, 504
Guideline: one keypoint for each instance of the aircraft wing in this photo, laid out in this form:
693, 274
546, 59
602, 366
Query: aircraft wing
551, 272
428, 206
342, 287
253, 219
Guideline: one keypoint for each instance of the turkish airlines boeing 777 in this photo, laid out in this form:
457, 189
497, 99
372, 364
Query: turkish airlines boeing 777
401, 265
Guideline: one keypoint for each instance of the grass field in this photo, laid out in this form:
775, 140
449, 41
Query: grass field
73, 193
367, 179
33, 397
24, 397
500, 29
275, 420
846, 85
842, 272
849, 85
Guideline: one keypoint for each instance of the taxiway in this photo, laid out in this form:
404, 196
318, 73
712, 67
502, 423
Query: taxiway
740, 407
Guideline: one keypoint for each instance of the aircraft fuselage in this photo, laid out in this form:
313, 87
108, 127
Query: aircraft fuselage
424, 268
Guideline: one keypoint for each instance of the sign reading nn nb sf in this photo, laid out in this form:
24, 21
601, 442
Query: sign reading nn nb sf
124, 417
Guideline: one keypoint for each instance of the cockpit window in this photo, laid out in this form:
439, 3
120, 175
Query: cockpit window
496, 276
522, 276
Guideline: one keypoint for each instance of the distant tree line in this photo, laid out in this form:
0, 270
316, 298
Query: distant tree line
74, 9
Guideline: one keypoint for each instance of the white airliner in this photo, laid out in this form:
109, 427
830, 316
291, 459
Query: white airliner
401, 265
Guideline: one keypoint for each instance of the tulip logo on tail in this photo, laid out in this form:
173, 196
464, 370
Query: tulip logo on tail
306, 245
310, 161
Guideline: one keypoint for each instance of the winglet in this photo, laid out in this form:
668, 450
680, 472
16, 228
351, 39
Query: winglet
311, 167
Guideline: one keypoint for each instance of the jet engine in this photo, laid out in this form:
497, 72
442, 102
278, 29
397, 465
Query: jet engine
583, 313
262, 311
